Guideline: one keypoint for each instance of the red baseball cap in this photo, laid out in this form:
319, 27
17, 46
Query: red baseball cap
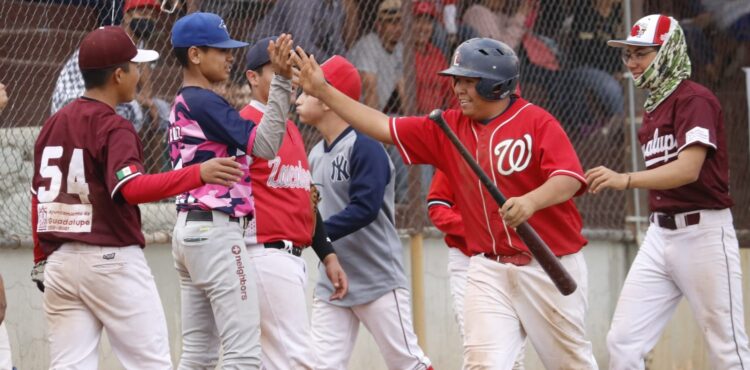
109, 46
651, 30
342, 75
134, 4
424, 8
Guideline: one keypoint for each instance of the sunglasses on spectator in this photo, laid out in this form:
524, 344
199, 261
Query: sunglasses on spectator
637, 56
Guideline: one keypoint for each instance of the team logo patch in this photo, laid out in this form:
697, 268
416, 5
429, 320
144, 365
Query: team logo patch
125, 172
639, 29
340, 169
236, 249
513, 155
109, 256
64, 218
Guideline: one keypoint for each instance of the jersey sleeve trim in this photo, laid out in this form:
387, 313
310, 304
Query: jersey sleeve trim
569, 173
394, 134
123, 182
439, 202
697, 135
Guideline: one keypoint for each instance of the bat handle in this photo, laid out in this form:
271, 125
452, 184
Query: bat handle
548, 261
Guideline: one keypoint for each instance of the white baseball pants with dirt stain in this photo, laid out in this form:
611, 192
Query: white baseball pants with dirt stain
505, 304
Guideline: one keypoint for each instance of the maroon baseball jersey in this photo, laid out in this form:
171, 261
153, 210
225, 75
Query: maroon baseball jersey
690, 116
281, 190
519, 150
82, 157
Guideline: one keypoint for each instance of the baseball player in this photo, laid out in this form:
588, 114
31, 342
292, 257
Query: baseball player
356, 184
219, 299
282, 227
6, 362
88, 179
445, 215
529, 157
690, 248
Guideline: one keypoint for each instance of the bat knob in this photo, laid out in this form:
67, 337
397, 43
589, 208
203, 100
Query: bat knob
436, 114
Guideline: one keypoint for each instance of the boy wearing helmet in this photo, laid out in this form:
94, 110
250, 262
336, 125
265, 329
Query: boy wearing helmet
526, 153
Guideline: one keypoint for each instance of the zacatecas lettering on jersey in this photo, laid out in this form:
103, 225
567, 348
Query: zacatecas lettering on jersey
288, 176
664, 147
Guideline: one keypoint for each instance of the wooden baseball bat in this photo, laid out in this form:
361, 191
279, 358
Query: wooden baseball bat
549, 262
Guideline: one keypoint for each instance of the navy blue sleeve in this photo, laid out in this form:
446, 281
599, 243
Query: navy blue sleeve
370, 173
219, 121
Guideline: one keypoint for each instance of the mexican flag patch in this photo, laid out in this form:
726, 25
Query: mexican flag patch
125, 172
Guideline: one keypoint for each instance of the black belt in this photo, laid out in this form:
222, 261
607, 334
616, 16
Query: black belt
295, 251
669, 221
201, 215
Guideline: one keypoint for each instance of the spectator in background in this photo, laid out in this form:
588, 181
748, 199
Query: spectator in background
593, 24
590, 93
3, 97
499, 19
150, 116
378, 57
6, 362
317, 25
431, 91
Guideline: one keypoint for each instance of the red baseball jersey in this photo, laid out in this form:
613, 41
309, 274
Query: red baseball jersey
691, 115
82, 157
281, 189
444, 212
519, 150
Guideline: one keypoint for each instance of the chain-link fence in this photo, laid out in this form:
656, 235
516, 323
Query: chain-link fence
398, 47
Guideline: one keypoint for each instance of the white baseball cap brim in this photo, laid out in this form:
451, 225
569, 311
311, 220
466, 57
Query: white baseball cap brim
145, 56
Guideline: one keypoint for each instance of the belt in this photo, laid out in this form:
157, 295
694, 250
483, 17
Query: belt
520, 259
201, 215
284, 245
672, 221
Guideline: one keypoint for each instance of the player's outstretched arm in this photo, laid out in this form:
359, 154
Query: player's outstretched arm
151, 188
683, 171
272, 127
367, 120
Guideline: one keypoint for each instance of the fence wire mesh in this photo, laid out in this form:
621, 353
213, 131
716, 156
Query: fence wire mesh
566, 68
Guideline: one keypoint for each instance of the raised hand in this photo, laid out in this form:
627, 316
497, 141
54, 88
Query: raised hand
221, 171
308, 74
280, 53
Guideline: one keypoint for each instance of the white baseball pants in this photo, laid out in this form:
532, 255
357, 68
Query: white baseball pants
388, 319
458, 266
6, 360
88, 288
506, 303
700, 262
281, 279
219, 298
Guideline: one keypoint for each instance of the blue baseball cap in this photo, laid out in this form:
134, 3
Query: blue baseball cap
257, 55
203, 29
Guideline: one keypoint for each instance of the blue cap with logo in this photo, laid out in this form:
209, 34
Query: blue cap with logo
203, 29
257, 55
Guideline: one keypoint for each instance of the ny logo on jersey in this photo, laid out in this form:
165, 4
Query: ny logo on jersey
517, 152
340, 170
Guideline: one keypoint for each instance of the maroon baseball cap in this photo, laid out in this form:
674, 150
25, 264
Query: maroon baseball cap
109, 46
342, 75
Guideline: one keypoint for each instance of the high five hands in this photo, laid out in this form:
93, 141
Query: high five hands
280, 52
